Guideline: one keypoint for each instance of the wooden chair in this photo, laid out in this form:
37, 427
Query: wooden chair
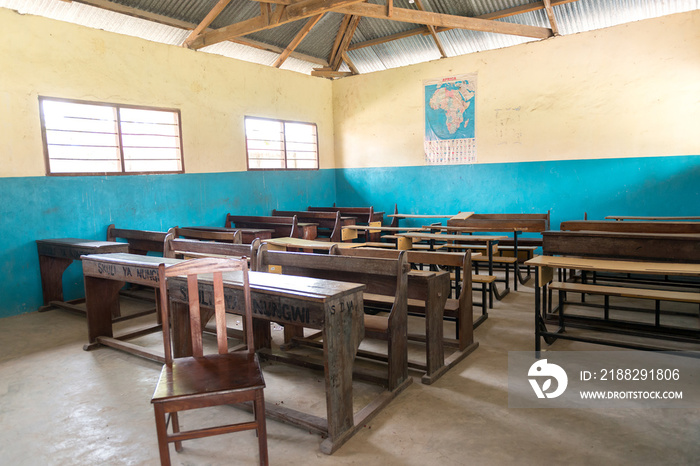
202, 381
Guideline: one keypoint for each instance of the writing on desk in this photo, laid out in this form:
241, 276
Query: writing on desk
287, 312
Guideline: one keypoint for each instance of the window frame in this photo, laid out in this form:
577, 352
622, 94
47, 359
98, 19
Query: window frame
116, 106
286, 167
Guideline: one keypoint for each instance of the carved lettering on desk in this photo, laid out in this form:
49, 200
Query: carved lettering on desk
344, 307
147, 274
286, 312
127, 271
106, 269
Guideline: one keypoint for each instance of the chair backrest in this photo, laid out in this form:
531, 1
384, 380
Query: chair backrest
192, 269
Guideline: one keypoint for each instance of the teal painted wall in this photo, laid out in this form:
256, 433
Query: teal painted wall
54, 207
664, 186
82, 207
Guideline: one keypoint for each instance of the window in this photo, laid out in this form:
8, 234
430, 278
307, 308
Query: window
281, 145
98, 138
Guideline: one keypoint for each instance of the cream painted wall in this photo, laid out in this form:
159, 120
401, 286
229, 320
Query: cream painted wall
626, 91
39, 56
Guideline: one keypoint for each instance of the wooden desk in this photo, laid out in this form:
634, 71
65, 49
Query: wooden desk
545, 272
248, 234
334, 307
55, 255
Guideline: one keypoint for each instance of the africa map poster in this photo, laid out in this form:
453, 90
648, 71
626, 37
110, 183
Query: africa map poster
450, 136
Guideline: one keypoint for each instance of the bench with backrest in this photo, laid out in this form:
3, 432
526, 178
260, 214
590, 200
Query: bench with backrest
380, 276
458, 309
283, 226
329, 223
363, 216
140, 241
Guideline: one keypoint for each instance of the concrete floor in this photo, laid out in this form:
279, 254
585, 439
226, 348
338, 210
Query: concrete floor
60, 405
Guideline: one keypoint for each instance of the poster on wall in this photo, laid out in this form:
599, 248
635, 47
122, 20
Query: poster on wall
450, 136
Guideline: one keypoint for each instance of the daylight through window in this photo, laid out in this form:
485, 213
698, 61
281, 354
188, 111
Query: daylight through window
281, 145
99, 138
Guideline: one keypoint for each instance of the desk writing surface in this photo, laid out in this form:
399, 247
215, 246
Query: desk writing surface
419, 216
611, 265
73, 248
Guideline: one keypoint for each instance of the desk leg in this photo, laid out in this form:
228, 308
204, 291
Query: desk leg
102, 302
51, 270
434, 311
346, 318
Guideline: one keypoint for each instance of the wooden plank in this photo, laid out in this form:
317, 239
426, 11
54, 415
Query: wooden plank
550, 15
620, 291
462, 216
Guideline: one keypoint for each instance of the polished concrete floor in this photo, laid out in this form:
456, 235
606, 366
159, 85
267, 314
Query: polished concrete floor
60, 405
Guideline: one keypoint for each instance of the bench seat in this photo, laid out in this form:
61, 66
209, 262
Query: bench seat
625, 292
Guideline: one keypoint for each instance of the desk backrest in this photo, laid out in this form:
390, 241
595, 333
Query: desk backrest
232, 236
283, 226
381, 276
140, 241
174, 247
660, 247
631, 227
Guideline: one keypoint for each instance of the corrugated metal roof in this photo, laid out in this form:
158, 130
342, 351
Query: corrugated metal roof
571, 18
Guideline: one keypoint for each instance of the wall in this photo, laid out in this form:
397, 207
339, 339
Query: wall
603, 121
39, 56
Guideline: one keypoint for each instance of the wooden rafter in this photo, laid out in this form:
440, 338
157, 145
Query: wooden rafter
433, 32
443, 20
345, 42
339, 37
324, 73
297, 39
293, 12
211, 16
550, 15
351, 65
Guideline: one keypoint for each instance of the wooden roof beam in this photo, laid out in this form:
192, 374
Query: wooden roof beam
442, 20
294, 12
297, 39
343, 47
208, 19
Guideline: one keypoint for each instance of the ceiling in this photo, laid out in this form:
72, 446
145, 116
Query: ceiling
337, 38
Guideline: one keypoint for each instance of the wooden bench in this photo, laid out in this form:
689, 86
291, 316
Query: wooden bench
379, 276
248, 235
283, 226
224, 236
330, 224
656, 295
140, 241
363, 216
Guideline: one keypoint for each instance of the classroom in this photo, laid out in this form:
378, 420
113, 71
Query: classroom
573, 128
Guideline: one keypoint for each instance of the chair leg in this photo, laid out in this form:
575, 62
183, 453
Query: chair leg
162, 432
176, 429
259, 409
